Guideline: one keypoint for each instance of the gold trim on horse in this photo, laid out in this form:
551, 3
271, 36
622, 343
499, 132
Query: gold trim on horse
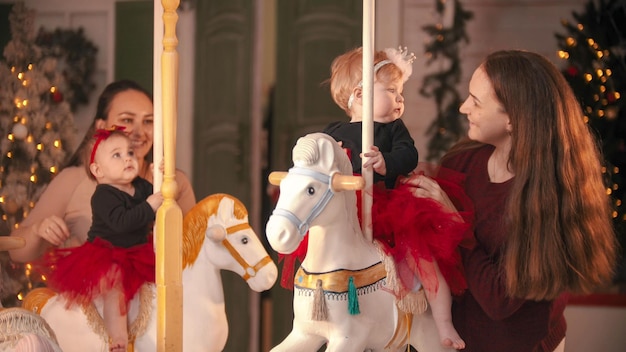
337, 280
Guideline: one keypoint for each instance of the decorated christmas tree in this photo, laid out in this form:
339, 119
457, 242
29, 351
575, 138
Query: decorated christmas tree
35, 122
36, 125
594, 53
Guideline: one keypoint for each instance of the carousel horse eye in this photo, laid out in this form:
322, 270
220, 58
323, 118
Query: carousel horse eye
310, 191
244, 240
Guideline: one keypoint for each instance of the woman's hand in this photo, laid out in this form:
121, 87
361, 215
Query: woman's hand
425, 187
53, 229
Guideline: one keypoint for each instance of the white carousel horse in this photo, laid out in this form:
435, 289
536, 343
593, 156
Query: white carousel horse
216, 236
339, 293
20, 329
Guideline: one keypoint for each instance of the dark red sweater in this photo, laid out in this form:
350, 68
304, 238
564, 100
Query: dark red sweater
485, 317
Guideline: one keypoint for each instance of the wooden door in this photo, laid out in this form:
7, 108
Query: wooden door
221, 127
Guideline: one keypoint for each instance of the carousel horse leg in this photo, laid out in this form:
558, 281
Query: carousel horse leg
356, 343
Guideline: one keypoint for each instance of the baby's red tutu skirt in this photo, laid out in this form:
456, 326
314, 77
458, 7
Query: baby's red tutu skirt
418, 233
82, 273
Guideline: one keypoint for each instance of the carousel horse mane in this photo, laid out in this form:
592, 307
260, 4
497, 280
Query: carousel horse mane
321, 150
17, 322
195, 222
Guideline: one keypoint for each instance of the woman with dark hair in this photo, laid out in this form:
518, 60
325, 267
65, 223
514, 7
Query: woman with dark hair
62, 216
542, 216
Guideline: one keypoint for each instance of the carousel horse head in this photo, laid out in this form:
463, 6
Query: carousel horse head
20, 329
321, 171
222, 221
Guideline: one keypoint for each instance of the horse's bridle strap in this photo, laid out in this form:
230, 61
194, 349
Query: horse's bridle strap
239, 227
303, 225
249, 271
337, 280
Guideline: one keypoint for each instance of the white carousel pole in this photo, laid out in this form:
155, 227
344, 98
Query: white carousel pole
368, 107
169, 218
157, 145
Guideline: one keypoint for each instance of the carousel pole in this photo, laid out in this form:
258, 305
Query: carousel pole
368, 108
169, 218
157, 97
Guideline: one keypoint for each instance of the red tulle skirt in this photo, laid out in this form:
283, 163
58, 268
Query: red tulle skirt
418, 233
82, 273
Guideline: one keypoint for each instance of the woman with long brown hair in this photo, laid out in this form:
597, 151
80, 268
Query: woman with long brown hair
542, 216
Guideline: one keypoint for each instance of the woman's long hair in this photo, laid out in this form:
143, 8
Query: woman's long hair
558, 216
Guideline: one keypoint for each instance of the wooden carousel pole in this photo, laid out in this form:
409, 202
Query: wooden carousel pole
368, 108
169, 218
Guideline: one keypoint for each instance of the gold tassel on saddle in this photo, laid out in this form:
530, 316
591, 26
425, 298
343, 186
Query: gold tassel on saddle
320, 309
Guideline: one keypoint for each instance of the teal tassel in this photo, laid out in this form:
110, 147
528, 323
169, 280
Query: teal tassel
353, 298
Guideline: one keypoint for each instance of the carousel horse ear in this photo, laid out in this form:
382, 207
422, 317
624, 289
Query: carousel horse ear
347, 183
326, 148
216, 233
276, 176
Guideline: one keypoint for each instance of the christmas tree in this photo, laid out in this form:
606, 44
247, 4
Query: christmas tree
36, 125
594, 51
35, 122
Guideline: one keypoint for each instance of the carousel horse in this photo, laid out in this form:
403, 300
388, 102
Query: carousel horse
216, 236
20, 329
340, 294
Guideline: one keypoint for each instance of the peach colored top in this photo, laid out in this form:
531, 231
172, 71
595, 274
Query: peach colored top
68, 196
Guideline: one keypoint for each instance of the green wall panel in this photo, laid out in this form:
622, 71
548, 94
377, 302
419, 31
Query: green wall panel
134, 22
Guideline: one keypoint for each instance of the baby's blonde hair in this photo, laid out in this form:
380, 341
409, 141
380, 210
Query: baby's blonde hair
347, 73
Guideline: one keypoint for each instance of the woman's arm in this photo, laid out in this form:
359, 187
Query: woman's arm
481, 271
485, 283
45, 225
186, 198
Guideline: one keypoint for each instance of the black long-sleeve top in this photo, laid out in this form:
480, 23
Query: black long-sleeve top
120, 218
392, 139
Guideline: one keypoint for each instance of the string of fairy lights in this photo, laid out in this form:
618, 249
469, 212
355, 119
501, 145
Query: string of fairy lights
37, 134
21, 174
21, 153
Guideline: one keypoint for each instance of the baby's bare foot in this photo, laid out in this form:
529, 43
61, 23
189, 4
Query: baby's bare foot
450, 338
457, 344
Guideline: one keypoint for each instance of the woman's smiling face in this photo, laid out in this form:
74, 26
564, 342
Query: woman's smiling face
134, 111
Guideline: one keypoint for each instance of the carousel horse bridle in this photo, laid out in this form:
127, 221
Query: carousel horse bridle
249, 270
303, 225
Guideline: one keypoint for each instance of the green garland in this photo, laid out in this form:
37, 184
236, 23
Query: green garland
447, 128
77, 61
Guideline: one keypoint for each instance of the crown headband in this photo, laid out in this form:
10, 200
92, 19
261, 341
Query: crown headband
399, 57
100, 135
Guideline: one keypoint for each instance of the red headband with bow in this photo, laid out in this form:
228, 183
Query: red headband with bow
102, 134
